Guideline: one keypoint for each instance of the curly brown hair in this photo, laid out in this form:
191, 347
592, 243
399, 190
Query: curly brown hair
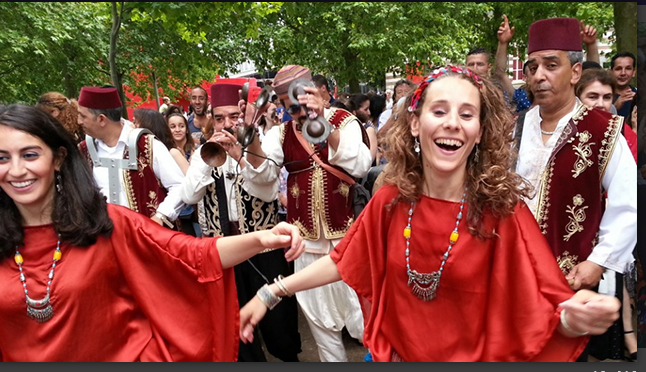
68, 112
491, 183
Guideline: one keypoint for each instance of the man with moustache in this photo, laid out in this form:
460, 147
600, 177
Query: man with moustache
573, 155
318, 201
235, 204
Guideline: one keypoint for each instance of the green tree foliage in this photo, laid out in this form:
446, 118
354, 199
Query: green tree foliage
50, 47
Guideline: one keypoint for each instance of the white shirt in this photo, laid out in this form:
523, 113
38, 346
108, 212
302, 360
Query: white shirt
352, 155
618, 227
166, 170
198, 177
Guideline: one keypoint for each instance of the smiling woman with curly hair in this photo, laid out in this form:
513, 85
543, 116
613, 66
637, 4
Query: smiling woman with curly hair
437, 288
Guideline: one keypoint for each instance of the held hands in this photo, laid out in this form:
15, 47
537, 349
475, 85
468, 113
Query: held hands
283, 235
590, 312
588, 34
250, 315
505, 33
585, 275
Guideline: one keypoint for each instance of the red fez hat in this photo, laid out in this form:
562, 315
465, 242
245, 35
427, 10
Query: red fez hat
554, 34
254, 92
286, 75
225, 95
99, 98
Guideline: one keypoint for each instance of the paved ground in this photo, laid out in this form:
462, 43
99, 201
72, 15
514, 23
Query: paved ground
355, 350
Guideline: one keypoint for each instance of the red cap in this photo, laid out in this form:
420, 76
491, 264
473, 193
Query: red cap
254, 92
99, 98
225, 95
555, 34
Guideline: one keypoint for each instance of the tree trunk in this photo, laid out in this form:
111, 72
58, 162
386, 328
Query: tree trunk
626, 26
114, 70
156, 91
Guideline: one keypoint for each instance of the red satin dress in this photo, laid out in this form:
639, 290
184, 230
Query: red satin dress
146, 293
497, 299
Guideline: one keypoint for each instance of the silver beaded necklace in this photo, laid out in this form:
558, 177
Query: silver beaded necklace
424, 285
39, 310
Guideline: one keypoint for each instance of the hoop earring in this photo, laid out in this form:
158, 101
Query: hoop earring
59, 183
416, 147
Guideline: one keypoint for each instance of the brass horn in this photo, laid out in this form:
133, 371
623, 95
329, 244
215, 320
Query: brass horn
213, 154
315, 128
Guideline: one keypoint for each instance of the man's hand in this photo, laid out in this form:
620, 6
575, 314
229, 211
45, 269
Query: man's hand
585, 275
625, 95
312, 100
588, 34
229, 142
505, 33
158, 220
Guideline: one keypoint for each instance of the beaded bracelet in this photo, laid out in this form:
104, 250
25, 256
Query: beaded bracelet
568, 328
267, 297
283, 288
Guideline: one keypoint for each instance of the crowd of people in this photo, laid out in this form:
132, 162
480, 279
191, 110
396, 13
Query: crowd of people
502, 224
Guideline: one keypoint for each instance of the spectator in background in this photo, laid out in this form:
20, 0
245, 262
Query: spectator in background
622, 66
164, 106
321, 83
63, 109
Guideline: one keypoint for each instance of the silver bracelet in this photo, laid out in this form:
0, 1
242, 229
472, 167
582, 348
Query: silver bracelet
568, 328
267, 297
283, 288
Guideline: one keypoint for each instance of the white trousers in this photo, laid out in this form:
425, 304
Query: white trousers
328, 309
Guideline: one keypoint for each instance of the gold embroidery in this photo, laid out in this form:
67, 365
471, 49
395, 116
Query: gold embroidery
130, 192
296, 192
343, 189
576, 217
566, 262
583, 152
609, 142
153, 204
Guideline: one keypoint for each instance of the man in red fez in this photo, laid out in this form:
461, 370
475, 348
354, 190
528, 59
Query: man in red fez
235, 203
131, 168
319, 201
573, 156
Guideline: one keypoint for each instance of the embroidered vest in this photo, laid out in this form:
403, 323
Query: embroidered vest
315, 197
571, 200
143, 190
254, 214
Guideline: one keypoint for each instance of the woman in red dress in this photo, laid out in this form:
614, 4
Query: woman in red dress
83, 280
446, 252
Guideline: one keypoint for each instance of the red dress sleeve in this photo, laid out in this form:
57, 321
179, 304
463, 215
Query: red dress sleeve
526, 287
179, 283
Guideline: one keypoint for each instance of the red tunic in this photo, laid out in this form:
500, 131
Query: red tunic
147, 293
497, 299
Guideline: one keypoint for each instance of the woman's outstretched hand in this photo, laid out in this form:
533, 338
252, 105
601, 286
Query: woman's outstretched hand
284, 235
250, 315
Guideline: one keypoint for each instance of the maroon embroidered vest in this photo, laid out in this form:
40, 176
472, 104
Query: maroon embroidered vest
142, 188
571, 200
315, 197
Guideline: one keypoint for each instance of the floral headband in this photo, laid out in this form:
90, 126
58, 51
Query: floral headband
436, 74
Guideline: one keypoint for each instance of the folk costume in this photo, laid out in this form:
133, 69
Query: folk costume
320, 204
233, 205
585, 157
510, 313
146, 293
143, 177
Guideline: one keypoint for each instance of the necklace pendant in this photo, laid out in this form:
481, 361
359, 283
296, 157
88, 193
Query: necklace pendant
424, 286
40, 315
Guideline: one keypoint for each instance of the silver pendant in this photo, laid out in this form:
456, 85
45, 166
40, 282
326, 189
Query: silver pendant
40, 315
39, 310
424, 285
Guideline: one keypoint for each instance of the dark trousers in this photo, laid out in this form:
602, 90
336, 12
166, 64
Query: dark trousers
279, 328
